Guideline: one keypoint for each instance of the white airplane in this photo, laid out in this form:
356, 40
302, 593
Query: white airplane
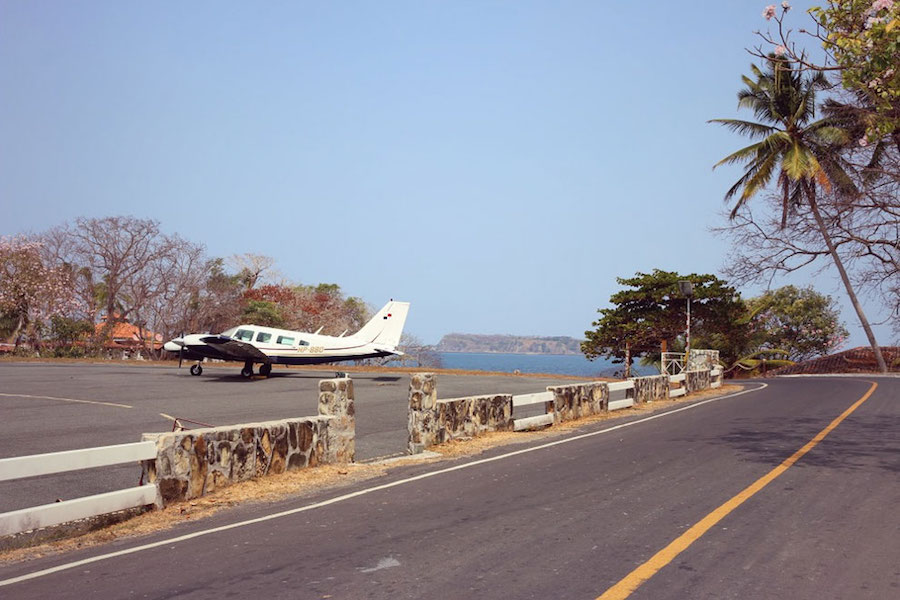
266, 345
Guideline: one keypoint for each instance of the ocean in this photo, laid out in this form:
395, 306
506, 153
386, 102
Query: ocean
557, 364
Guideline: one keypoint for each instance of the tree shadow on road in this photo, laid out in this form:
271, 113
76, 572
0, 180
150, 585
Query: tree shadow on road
860, 442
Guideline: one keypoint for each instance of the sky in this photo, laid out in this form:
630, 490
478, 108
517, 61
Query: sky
496, 164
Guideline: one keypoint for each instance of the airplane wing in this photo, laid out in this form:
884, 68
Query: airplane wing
234, 349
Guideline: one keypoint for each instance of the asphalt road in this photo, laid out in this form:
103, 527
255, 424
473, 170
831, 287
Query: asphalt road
50, 407
567, 520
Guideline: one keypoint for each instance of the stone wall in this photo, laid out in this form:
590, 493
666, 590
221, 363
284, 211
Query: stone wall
696, 381
576, 401
422, 421
648, 389
192, 463
432, 421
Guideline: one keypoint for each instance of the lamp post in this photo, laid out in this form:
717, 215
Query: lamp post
687, 290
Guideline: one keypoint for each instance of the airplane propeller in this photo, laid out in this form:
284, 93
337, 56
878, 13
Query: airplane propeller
181, 351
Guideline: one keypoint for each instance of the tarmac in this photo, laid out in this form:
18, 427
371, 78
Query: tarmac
52, 407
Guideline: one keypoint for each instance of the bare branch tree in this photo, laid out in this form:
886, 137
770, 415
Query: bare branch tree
252, 269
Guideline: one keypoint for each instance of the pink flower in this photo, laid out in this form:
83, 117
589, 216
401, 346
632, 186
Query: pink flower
880, 4
770, 11
786, 5
863, 142
780, 50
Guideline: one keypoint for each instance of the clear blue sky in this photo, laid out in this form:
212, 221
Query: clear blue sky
497, 164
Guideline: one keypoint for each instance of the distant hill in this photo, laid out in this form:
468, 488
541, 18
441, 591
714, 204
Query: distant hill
508, 344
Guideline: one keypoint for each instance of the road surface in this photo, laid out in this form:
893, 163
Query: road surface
786, 491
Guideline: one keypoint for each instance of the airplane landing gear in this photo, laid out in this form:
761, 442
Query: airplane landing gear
247, 371
196, 369
265, 369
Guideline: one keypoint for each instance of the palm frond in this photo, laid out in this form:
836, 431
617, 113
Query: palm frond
748, 128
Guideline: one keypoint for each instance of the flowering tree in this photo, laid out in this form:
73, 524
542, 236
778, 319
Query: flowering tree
31, 291
861, 41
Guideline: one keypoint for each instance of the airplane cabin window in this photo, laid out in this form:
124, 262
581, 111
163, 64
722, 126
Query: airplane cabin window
262, 336
303, 343
245, 335
284, 340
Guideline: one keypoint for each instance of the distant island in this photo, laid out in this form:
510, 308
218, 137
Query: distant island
508, 344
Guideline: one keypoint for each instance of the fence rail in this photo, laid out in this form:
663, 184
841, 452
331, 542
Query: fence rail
621, 401
21, 467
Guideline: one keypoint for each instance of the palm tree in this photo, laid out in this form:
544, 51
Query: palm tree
801, 150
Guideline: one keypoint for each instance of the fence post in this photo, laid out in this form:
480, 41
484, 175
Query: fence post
336, 400
422, 425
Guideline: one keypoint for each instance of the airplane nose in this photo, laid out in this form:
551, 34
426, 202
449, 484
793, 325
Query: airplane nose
173, 345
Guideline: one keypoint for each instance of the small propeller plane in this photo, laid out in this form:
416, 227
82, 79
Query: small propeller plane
265, 345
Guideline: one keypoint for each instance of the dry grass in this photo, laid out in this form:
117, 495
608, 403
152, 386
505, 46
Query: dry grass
298, 483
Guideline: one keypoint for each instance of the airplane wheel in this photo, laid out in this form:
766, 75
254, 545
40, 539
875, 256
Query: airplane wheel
247, 372
265, 369
196, 370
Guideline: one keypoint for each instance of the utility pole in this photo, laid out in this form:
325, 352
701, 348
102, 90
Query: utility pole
687, 290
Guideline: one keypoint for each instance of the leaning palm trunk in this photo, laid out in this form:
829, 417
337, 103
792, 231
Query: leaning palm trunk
879, 359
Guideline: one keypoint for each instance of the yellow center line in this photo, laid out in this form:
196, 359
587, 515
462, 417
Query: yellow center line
633, 580
67, 400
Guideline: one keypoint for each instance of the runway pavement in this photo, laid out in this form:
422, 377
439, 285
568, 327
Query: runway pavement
784, 492
50, 407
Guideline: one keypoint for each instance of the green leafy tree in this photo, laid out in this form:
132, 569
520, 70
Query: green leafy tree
260, 312
651, 309
802, 151
800, 321
70, 337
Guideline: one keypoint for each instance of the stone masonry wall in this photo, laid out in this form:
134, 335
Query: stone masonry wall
192, 463
433, 421
422, 422
648, 389
696, 380
576, 401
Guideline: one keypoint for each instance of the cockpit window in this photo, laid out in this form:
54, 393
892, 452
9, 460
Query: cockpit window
245, 335
284, 340
262, 336
229, 332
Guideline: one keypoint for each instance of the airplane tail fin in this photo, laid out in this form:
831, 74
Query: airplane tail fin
386, 326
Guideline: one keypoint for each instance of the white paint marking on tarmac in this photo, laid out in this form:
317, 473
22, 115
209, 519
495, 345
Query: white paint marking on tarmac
115, 404
384, 563
350, 496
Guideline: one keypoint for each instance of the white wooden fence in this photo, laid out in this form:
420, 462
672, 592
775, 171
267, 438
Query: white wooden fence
681, 390
528, 400
621, 395
715, 377
47, 515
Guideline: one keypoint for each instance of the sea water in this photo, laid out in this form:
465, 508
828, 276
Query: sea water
557, 364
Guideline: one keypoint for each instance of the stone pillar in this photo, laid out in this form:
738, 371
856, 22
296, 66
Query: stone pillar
422, 422
648, 389
696, 381
336, 401
576, 401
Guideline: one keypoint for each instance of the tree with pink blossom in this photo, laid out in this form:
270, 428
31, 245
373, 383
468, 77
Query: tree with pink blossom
31, 290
